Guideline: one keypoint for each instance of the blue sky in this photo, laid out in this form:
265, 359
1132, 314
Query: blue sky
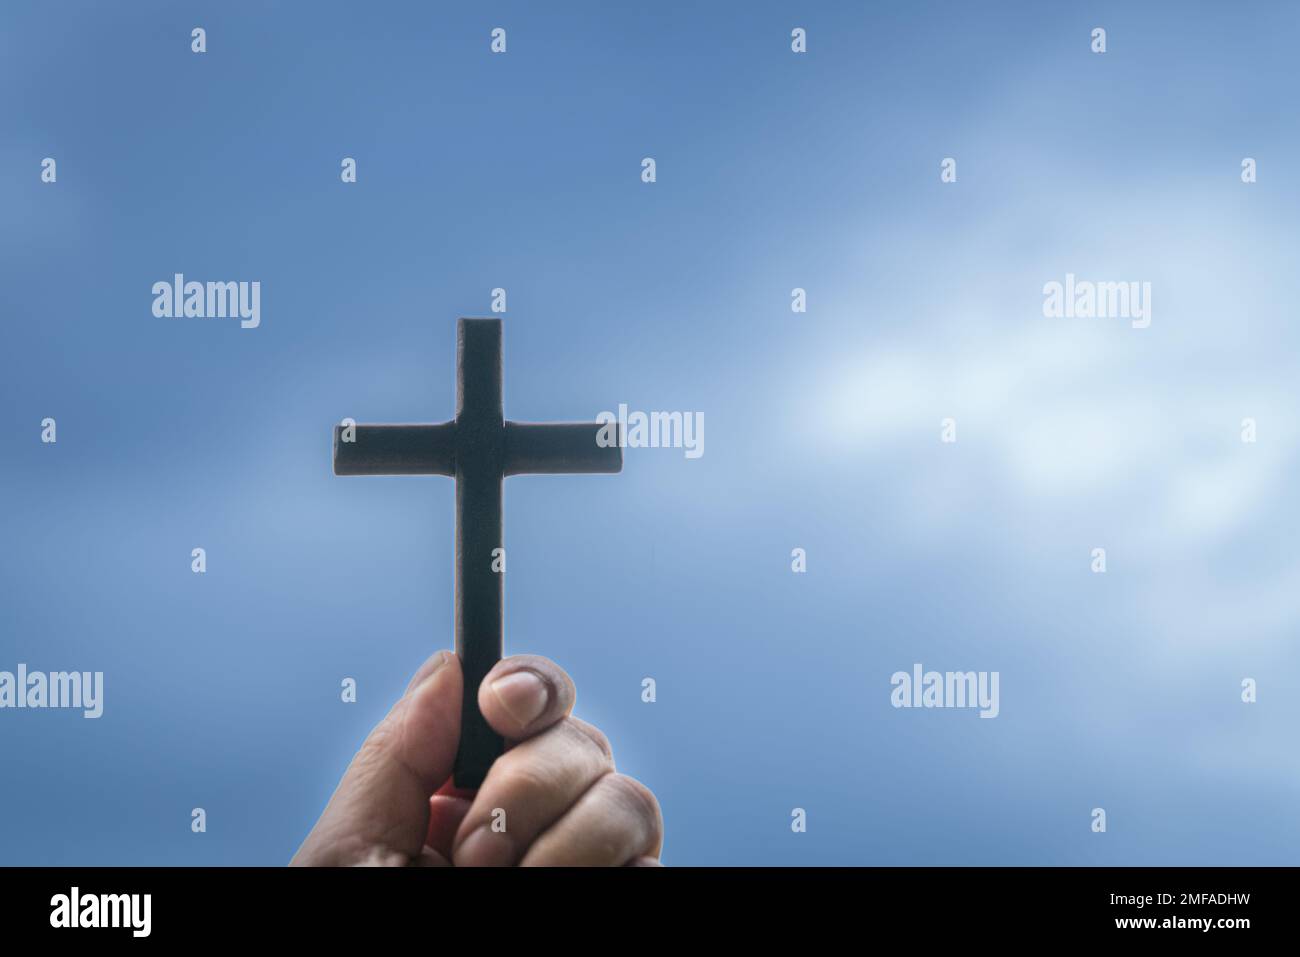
775, 171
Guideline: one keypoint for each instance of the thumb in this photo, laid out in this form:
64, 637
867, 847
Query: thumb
380, 812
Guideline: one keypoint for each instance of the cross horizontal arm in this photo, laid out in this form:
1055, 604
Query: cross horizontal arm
557, 447
396, 450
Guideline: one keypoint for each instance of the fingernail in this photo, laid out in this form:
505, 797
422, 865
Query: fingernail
484, 848
523, 694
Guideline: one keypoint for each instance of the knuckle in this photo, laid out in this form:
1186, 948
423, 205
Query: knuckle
637, 798
590, 735
379, 745
522, 777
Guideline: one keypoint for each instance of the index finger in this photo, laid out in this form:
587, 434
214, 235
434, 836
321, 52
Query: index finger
524, 695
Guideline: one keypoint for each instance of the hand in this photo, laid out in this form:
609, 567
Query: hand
554, 790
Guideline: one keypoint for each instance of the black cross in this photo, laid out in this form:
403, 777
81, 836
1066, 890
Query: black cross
479, 448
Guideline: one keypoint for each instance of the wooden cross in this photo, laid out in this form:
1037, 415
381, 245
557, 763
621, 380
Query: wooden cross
478, 448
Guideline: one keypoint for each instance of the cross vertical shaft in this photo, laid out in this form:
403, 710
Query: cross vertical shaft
480, 468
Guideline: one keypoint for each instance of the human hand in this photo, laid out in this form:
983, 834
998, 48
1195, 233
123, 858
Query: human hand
553, 796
